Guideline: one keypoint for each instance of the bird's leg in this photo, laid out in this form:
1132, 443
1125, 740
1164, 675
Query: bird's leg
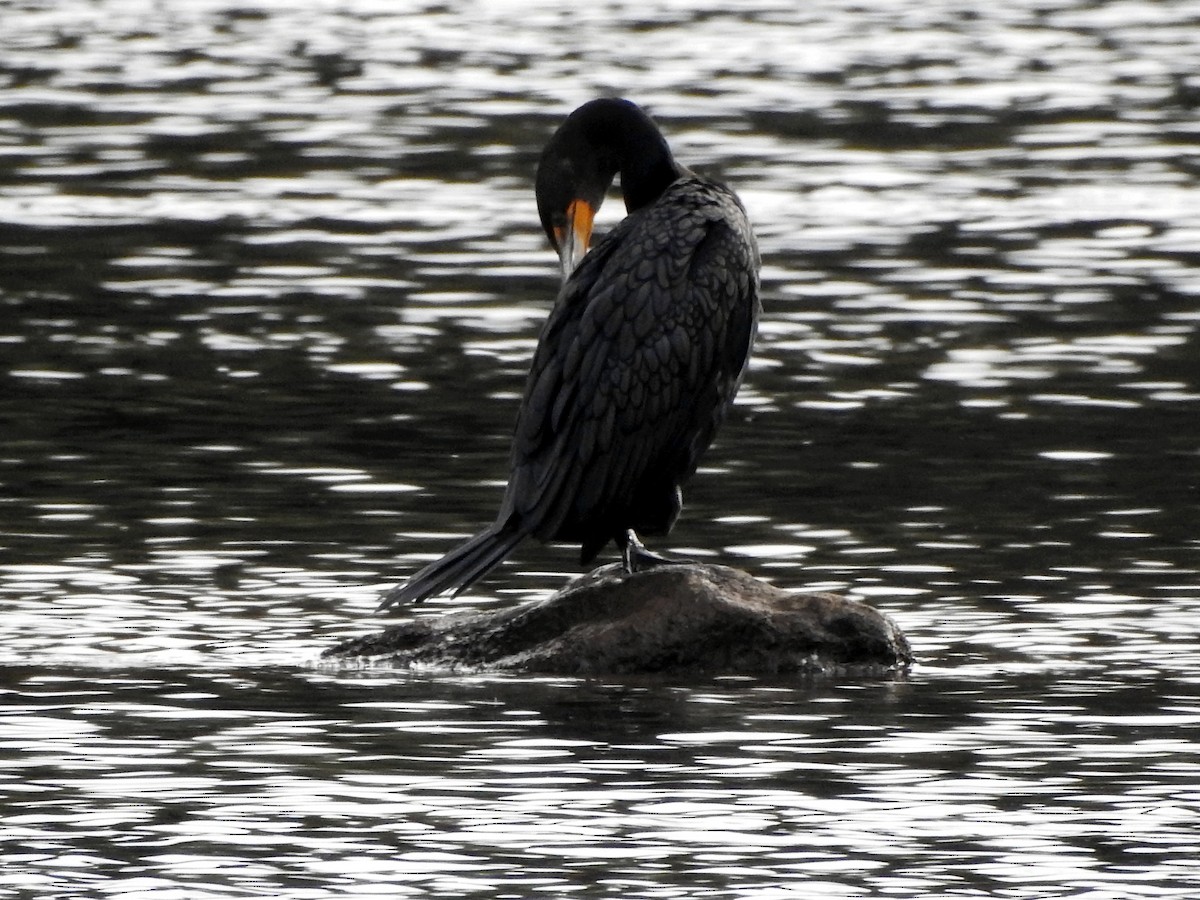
635, 556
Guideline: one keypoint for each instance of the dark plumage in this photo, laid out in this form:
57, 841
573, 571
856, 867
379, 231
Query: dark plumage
639, 360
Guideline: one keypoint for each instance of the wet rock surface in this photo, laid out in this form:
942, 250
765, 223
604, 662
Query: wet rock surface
679, 618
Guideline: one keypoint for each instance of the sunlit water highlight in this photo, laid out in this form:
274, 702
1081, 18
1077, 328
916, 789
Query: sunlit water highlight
270, 277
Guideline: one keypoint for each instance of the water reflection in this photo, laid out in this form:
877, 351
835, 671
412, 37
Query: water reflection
981, 783
263, 267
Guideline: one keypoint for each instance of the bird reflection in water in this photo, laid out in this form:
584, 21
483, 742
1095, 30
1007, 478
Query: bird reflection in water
639, 360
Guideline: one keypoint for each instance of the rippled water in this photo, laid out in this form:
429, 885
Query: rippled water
270, 275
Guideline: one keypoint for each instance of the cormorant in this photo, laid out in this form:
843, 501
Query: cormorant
639, 359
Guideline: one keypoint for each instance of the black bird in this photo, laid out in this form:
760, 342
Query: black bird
639, 360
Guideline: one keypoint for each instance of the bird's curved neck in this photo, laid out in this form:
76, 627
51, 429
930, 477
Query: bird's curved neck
600, 140
623, 140
647, 169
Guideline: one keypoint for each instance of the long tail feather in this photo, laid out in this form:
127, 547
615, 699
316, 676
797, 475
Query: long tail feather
458, 569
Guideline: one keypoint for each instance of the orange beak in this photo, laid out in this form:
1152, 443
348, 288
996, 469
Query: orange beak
574, 237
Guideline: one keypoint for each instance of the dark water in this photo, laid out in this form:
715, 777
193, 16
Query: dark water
270, 276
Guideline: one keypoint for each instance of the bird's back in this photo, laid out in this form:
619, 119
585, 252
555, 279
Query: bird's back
635, 368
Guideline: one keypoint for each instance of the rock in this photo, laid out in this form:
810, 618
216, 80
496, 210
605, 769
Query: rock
686, 618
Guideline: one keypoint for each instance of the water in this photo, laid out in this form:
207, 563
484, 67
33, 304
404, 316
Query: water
269, 280
287, 783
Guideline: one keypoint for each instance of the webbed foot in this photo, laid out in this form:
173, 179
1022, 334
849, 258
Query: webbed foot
635, 556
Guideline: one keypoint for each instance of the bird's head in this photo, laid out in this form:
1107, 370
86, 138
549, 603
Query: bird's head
598, 140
